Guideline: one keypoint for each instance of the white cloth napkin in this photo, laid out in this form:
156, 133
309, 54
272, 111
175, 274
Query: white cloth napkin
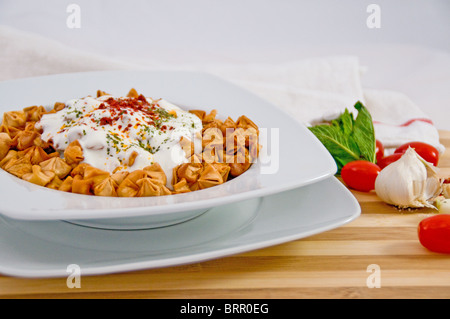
398, 120
311, 90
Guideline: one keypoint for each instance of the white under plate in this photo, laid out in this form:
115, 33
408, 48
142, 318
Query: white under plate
47, 248
294, 159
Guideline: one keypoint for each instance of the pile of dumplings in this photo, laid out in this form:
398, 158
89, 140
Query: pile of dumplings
224, 156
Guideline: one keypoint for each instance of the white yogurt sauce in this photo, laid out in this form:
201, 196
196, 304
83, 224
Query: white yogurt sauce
110, 129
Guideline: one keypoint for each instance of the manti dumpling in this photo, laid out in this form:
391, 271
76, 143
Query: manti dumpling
34, 154
16, 119
5, 144
38, 176
16, 165
150, 181
73, 154
86, 178
56, 165
209, 177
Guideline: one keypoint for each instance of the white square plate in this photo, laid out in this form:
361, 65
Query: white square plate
294, 159
47, 248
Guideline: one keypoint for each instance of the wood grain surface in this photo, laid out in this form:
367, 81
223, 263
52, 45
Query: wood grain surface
333, 264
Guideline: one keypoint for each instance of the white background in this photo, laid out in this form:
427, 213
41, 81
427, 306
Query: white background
409, 53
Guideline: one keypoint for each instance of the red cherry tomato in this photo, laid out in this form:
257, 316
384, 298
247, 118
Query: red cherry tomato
379, 150
426, 151
360, 175
385, 161
434, 233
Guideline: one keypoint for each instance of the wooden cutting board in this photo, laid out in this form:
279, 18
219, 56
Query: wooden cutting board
378, 255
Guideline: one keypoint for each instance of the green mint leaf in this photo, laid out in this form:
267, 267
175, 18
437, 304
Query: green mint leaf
343, 148
348, 139
364, 133
345, 122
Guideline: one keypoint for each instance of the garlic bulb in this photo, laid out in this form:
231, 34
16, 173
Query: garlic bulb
408, 182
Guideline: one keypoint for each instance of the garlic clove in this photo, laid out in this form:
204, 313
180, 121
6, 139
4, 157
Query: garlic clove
443, 206
409, 182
